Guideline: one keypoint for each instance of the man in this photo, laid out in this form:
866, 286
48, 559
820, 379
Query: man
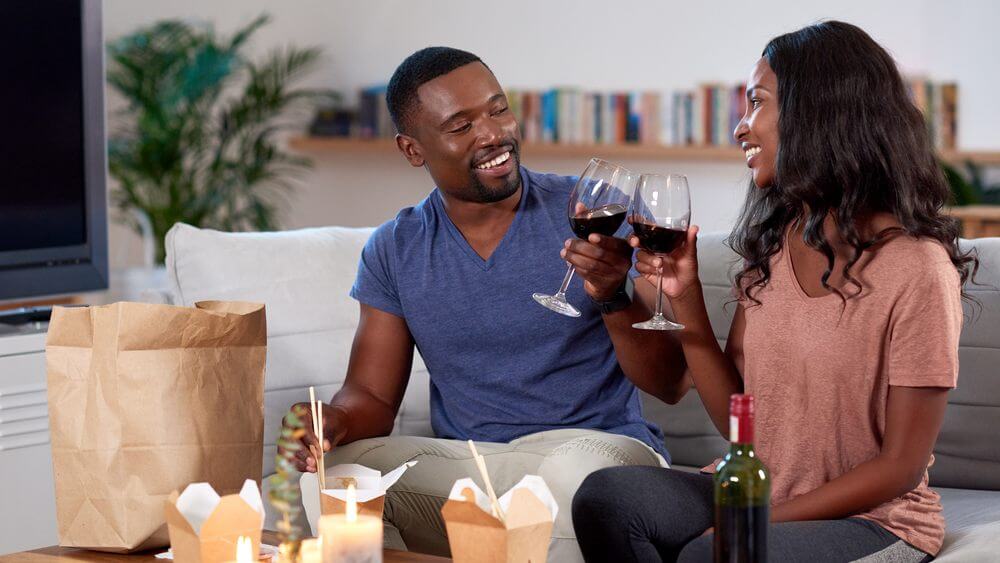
540, 393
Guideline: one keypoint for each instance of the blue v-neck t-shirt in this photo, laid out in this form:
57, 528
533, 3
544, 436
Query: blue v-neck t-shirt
501, 366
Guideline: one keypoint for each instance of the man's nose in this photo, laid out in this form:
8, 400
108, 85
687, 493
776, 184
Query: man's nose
489, 132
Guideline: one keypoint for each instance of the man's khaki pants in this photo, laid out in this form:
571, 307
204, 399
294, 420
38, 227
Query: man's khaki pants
561, 457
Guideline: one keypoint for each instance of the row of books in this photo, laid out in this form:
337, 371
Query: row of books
704, 116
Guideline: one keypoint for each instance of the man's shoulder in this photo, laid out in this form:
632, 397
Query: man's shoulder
556, 184
407, 223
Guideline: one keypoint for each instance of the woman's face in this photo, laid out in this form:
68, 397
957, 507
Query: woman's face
757, 133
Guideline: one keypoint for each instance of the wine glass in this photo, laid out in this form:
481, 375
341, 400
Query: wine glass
597, 204
660, 215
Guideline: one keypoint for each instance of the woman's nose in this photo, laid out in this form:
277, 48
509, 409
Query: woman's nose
742, 129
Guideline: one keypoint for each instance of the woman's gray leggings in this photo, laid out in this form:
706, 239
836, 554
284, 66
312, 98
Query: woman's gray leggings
650, 514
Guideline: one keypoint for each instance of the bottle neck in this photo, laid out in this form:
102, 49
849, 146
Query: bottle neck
741, 432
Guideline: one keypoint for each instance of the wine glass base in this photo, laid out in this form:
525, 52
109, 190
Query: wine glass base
556, 303
658, 324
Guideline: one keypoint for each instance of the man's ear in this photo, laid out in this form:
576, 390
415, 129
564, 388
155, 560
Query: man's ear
410, 148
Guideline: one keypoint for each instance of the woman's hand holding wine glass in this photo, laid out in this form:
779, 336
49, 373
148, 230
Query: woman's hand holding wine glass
660, 216
679, 268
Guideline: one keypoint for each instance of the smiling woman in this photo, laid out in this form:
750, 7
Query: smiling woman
846, 325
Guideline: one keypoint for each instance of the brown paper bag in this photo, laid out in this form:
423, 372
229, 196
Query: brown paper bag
145, 399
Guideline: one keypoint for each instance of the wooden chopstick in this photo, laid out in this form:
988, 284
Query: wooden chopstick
481, 464
317, 451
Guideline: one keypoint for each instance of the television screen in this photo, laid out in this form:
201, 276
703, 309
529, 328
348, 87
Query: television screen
53, 231
42, 113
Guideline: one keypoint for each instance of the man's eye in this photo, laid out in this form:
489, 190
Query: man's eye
461, 129
500, 110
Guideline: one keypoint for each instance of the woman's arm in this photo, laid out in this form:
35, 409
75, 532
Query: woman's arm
913, 419
716, 374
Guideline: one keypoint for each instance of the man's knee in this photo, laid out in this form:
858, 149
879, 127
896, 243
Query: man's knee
601, 450
353, 452
698, 550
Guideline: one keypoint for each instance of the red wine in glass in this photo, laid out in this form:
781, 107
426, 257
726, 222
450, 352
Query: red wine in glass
597, 204
660, 214
604, 220
658, 240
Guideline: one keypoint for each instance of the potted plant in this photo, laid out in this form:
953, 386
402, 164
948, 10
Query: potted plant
970, 187
197, 141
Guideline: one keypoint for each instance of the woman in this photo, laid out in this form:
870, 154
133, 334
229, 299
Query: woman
846, 325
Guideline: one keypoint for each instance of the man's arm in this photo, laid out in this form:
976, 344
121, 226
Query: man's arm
379, 369
652, 360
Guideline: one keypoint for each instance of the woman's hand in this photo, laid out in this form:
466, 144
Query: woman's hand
680, 268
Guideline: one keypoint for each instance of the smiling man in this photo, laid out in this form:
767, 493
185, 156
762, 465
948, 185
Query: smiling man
540, 393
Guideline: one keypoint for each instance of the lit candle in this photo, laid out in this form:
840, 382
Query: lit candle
244, 550
350, 537
311, 551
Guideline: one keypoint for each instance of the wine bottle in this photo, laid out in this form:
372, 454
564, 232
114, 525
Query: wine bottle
742, 492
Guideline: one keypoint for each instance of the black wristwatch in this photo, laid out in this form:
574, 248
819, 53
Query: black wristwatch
620, 300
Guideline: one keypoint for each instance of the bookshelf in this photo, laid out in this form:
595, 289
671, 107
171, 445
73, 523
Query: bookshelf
727, 154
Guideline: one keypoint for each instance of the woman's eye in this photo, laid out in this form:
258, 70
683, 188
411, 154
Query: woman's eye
755, 102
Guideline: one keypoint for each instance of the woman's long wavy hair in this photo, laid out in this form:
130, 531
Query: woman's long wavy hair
851, 143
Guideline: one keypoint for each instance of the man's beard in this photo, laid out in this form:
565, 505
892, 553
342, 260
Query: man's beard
484, 194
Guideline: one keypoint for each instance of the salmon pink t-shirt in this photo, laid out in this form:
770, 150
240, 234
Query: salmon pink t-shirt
820, 370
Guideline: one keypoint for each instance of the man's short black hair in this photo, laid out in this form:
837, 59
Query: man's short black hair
420, 67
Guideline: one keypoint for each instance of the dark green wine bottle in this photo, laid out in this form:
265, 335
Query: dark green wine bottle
742, 492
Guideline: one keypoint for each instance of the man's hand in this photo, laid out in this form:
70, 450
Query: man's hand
602, 262
333, 431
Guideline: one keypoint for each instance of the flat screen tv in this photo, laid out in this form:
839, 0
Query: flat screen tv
53, 202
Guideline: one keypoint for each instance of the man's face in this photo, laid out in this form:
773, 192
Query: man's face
466, 136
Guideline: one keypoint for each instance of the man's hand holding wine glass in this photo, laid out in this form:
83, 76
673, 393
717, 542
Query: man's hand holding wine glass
602, 261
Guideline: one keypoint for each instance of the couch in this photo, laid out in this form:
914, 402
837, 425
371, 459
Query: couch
304, 277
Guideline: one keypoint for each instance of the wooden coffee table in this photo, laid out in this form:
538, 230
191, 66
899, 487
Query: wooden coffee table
70, 554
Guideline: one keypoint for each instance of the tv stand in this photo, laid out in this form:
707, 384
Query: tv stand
25, 457
26, 315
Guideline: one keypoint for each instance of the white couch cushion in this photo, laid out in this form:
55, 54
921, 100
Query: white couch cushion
303, 277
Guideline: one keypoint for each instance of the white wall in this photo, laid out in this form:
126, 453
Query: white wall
629, 44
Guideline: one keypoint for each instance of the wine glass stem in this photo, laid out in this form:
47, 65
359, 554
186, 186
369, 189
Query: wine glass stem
659, 294
565, 283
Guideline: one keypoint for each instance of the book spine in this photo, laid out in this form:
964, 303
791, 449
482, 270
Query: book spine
949, 115
549, 116
722, 130
597, 132
621, 117
610, 126
698, 116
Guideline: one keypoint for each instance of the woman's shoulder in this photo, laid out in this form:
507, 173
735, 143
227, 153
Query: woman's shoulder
914, 259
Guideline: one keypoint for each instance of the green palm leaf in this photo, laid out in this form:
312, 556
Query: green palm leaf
197, 141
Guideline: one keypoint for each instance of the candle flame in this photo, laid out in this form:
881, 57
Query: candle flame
311, 550
244, 550
351, 512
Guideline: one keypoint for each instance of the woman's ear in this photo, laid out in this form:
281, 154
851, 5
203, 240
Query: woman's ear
410, 148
